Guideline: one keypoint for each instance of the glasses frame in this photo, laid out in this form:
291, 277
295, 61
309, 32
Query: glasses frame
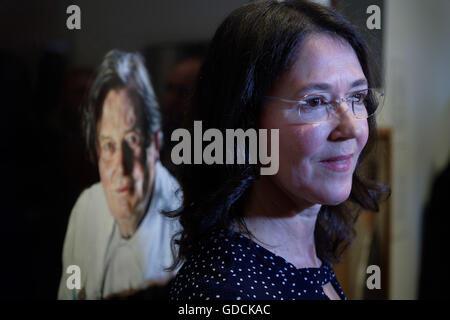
333, 105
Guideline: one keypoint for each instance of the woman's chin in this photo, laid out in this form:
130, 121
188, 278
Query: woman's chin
334, 197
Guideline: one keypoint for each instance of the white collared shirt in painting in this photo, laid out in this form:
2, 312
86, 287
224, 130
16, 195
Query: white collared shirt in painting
108, 263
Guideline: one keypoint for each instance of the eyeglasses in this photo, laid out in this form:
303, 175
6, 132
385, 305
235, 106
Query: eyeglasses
319, 107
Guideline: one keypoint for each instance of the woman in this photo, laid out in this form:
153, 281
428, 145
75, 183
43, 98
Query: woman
300, 68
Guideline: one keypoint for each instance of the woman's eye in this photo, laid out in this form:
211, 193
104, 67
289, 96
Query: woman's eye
358, 97
314, 101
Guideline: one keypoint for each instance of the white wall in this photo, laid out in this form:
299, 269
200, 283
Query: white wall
417, 68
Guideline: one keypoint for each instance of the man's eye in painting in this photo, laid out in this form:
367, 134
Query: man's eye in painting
133, 139
108, 149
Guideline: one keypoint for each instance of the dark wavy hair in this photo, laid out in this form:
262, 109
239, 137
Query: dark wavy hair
250, 50
119, 70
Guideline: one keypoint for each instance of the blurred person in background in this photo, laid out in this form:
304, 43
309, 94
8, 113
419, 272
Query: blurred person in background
175, 102
435, 227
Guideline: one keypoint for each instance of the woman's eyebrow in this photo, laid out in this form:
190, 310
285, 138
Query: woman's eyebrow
358, 83
326, 86
315, 86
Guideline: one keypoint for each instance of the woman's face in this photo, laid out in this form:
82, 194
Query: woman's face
317, 161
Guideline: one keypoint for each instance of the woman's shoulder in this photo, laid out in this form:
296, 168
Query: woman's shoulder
211, 271
210, 286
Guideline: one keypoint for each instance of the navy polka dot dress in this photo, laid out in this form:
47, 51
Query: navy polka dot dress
230, 266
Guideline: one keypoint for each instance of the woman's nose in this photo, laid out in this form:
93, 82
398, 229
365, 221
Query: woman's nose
347, 126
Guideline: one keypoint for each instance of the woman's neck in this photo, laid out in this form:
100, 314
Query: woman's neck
281, 225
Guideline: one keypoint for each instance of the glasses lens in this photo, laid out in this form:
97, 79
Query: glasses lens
316, 108
312, 109
374, 101
366, 103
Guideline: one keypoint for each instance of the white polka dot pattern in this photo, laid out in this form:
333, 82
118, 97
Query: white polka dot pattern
230, 266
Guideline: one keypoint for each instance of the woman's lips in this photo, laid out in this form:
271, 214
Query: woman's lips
123, 189
339, 163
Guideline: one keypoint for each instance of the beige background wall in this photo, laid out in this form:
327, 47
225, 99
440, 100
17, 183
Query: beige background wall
417, 69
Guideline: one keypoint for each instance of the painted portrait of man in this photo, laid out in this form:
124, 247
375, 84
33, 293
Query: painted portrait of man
117, 233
